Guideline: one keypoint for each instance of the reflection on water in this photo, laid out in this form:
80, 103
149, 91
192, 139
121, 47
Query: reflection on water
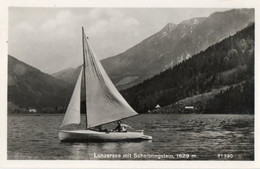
78, 151
201, 137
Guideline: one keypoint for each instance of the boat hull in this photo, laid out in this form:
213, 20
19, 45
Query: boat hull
95, 136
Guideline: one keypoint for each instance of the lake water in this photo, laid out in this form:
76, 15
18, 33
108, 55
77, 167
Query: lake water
175, 137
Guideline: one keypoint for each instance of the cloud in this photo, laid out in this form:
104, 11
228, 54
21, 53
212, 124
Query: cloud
111, 31
112, 21
25, 27
130, 22
95, 13
50, 38
62, 19
98, 26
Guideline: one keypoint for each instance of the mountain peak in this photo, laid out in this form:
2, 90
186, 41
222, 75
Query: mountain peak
69, 75
173, 44
169, 27
242, 11
193, 21
62, 71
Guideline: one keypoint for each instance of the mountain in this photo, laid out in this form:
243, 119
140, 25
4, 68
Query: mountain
172, 45
68, 75
28, 87
217, 80
65, 74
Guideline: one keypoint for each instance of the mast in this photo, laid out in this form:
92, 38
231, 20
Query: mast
84, 75
104, 103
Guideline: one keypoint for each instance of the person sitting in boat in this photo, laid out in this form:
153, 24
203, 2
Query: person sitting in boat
99, 128
122, 127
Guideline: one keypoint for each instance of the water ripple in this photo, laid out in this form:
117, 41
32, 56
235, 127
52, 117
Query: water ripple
206, 136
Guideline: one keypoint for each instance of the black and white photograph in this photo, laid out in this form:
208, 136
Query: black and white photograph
95, 83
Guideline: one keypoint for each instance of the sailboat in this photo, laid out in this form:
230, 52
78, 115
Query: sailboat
104, 104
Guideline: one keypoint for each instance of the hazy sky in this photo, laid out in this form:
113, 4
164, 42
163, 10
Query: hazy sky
50, 38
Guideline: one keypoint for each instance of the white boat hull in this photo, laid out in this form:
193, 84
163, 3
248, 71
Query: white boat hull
95, 136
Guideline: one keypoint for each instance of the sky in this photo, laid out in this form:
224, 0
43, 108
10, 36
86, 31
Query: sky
49, 39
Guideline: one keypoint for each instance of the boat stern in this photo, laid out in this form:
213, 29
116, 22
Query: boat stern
145, 137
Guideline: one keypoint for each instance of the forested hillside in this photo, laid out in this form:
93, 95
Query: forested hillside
28, 88
173, 44
229, 63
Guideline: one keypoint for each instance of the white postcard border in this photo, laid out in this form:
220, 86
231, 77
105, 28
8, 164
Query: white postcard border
4, 4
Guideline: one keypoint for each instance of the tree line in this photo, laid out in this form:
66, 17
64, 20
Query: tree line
229, 62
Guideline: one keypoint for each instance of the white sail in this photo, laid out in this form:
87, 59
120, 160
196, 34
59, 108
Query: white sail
104, 103
72, 115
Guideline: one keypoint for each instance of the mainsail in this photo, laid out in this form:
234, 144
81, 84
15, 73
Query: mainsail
104, 104
72, 115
